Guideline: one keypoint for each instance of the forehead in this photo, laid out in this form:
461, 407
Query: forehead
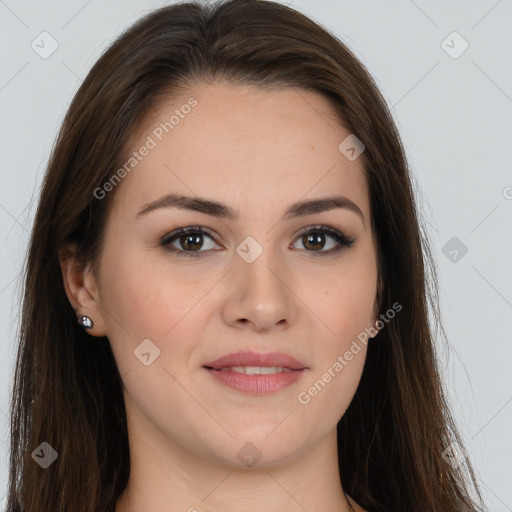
241, 145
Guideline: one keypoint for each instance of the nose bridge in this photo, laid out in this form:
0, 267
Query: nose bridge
257, 264
258, 292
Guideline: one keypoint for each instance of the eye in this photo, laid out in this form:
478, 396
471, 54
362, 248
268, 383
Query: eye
314, 238
190, 239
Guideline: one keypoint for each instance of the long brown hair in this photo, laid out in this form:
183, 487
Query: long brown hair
67, 389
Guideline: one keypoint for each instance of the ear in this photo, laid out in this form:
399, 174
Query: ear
81, 289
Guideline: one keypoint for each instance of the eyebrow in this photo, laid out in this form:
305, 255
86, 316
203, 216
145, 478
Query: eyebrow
216, 209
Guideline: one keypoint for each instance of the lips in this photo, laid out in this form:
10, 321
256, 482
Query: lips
256, 374
254, 359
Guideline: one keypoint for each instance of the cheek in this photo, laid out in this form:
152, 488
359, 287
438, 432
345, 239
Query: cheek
144, 300
346, 302
145, 294
328, 392
346, 308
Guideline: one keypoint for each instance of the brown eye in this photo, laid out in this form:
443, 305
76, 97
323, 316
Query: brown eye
186, 241
191, 242
314, 241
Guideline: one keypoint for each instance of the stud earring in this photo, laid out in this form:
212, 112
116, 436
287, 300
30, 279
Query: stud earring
86, 322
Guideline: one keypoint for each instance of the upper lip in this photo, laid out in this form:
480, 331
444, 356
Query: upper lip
248, 358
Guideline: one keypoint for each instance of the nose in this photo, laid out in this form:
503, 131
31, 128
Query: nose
259, 295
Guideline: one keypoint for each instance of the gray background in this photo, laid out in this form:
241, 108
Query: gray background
455, 118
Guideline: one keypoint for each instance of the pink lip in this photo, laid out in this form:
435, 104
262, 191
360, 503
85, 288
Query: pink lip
256, 384
248, 358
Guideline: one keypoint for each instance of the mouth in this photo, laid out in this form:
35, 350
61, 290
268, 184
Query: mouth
255, 373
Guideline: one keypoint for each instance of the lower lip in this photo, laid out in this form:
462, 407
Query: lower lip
256, 384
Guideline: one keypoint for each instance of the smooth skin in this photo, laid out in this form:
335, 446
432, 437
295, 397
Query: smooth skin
257, 151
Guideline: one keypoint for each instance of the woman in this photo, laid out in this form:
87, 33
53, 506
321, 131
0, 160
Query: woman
227, 287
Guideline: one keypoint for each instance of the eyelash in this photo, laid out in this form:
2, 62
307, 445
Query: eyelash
342, 240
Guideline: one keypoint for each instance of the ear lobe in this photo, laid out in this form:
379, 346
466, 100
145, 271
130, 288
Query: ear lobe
81, 288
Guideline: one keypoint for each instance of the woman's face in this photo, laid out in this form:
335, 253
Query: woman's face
250, 282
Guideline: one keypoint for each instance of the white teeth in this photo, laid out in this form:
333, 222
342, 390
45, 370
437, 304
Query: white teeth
256, 370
